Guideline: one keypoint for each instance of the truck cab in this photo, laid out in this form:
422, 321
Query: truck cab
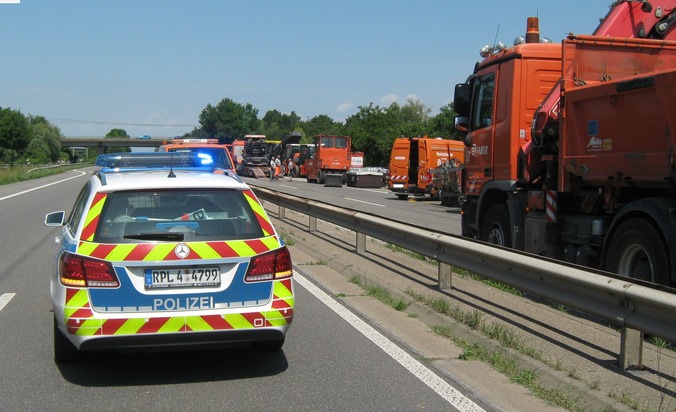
331, 156
496, 108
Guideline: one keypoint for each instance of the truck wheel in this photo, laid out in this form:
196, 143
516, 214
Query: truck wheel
321, 177
636, 250
495, 228
403, 197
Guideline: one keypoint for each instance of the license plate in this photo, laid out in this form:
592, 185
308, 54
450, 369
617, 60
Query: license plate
182, 278
398, 185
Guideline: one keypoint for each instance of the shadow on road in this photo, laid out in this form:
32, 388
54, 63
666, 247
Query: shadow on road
102, 369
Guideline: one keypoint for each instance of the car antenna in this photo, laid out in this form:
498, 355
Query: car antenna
495, 41
171, 166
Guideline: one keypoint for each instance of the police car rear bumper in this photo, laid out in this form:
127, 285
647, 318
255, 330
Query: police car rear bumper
190, 340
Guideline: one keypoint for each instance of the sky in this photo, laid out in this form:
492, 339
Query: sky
151, 66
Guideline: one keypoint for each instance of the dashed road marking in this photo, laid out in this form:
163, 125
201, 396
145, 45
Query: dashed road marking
5, 298
363, 201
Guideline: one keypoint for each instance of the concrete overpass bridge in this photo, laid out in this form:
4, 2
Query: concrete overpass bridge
100, 144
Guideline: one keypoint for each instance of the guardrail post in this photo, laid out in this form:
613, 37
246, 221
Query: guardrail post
445, 276
313, 224
282, 212
361, 243
631, 349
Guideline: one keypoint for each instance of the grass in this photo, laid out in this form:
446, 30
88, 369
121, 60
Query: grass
20, 173
320, 262
399, 249
381, 294
498, 359
286, 237
498, 285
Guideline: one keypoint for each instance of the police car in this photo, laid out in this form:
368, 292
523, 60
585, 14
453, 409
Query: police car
160, 252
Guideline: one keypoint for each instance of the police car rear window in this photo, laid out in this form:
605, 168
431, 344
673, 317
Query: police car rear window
171, 215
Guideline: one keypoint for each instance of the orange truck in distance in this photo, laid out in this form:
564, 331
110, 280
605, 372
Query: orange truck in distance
331, 155
587, 172
412, 164
211, 152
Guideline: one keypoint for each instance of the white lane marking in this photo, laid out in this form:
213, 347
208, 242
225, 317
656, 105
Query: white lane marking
43, 186
5, 298
375, 191
289, 187
420, 371
362, 201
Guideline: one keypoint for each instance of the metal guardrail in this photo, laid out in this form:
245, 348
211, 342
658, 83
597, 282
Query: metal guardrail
636, 309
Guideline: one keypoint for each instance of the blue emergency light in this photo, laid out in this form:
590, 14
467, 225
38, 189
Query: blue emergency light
154, 160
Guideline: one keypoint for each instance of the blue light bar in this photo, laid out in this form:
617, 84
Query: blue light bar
154, 160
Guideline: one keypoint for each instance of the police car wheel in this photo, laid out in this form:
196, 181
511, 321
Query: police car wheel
64, 351
269, 345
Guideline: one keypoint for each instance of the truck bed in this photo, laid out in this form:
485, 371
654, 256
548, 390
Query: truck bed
618, 127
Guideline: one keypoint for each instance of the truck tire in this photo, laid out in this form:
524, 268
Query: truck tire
321, 177
637, 250
402, 197
495, 227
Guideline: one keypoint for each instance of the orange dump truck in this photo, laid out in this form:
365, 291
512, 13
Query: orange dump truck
594, 181
413, 160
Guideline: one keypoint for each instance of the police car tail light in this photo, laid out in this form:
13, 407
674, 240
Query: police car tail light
81, 271
270, 266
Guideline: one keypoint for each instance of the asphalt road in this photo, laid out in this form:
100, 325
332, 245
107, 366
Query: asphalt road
330, 360
377, 201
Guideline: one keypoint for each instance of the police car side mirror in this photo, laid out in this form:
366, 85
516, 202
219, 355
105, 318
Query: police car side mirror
55, 218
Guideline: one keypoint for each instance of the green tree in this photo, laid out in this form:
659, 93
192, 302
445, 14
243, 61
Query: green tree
229, 120
116, 134
14, 133
38, 150
320, 124
442, 125
373, 129
275, 125
44, 136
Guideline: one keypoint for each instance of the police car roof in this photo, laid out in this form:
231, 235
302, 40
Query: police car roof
143, 160
162, 171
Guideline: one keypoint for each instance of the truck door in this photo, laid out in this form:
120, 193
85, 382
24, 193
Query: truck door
479, 156
414, 161
399, 164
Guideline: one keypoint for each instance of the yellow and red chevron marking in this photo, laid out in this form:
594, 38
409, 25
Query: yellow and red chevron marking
282, 294
80, 319
262, 217
165, 251
92, 219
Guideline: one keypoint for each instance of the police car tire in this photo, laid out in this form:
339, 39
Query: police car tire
268, 345
64, 351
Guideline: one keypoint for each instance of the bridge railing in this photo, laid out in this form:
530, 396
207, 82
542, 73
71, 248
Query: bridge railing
634, 308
